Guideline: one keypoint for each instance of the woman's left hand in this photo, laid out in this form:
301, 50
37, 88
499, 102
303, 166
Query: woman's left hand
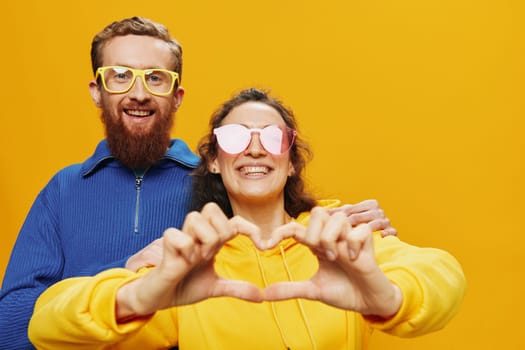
348, 276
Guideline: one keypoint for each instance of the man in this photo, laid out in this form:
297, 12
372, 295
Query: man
99, 214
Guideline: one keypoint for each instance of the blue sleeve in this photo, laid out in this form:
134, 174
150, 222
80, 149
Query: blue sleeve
36, 262
95, 270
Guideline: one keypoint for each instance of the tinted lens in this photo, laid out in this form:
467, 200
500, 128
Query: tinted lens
235, 138
277, 139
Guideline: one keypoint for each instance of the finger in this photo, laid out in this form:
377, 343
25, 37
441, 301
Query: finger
318, 219
379, 224
335, 229
177, 243
203, 233
237, 289
356, 239
366, 205
292, 229
349, 209
291, 290
390, 231
242, 226
222, 230
323, 231
366, 216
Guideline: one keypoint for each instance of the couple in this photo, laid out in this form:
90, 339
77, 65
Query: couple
259, 264
95, 216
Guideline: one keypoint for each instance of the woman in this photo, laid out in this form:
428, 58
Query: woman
259, 265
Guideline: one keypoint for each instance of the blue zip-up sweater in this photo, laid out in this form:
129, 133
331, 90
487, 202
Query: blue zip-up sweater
90, 217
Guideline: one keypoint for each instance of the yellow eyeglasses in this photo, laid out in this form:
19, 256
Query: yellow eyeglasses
118, 79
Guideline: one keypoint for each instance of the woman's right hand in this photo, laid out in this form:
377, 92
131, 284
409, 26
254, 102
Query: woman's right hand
186, 273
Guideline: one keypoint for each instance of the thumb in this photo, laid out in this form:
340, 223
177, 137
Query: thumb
237, 289
291, 290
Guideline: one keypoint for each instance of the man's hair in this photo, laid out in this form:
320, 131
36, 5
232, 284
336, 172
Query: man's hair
208, 187
135, 26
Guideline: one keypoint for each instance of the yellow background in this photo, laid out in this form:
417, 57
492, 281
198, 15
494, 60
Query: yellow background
416, 103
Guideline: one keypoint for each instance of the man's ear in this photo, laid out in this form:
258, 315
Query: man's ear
94, 90
178, 96
213, 167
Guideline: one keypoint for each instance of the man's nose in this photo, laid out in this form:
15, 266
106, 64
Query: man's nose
138, 90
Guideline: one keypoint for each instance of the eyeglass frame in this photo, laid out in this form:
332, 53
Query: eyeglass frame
136, 73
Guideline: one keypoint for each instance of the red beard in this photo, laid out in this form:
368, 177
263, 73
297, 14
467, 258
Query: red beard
138, 149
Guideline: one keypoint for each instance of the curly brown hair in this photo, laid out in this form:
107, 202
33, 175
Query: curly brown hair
208, 187
135, 26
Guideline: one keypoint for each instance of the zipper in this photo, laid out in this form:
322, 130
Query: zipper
138, 188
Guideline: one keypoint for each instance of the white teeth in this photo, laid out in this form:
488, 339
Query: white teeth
138, 113
254, 170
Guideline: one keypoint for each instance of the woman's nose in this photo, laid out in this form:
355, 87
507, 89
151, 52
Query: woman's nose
255, 147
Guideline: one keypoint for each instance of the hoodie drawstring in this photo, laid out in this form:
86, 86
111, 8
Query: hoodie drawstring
299, 303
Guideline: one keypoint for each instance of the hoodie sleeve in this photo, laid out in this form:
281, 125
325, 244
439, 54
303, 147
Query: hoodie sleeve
83, 314
432, 283
431, 280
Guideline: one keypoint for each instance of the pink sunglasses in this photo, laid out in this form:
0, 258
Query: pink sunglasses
235, 138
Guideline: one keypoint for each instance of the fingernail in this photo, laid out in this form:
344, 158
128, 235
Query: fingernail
330, 254
351, 253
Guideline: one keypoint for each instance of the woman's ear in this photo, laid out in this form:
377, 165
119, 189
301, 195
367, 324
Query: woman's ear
213, 167
291, 169
94, 90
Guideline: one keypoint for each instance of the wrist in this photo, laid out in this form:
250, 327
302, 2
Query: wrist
127, 306
123, 309
392, 304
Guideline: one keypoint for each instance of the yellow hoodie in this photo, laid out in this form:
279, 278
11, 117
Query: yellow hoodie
79, 313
